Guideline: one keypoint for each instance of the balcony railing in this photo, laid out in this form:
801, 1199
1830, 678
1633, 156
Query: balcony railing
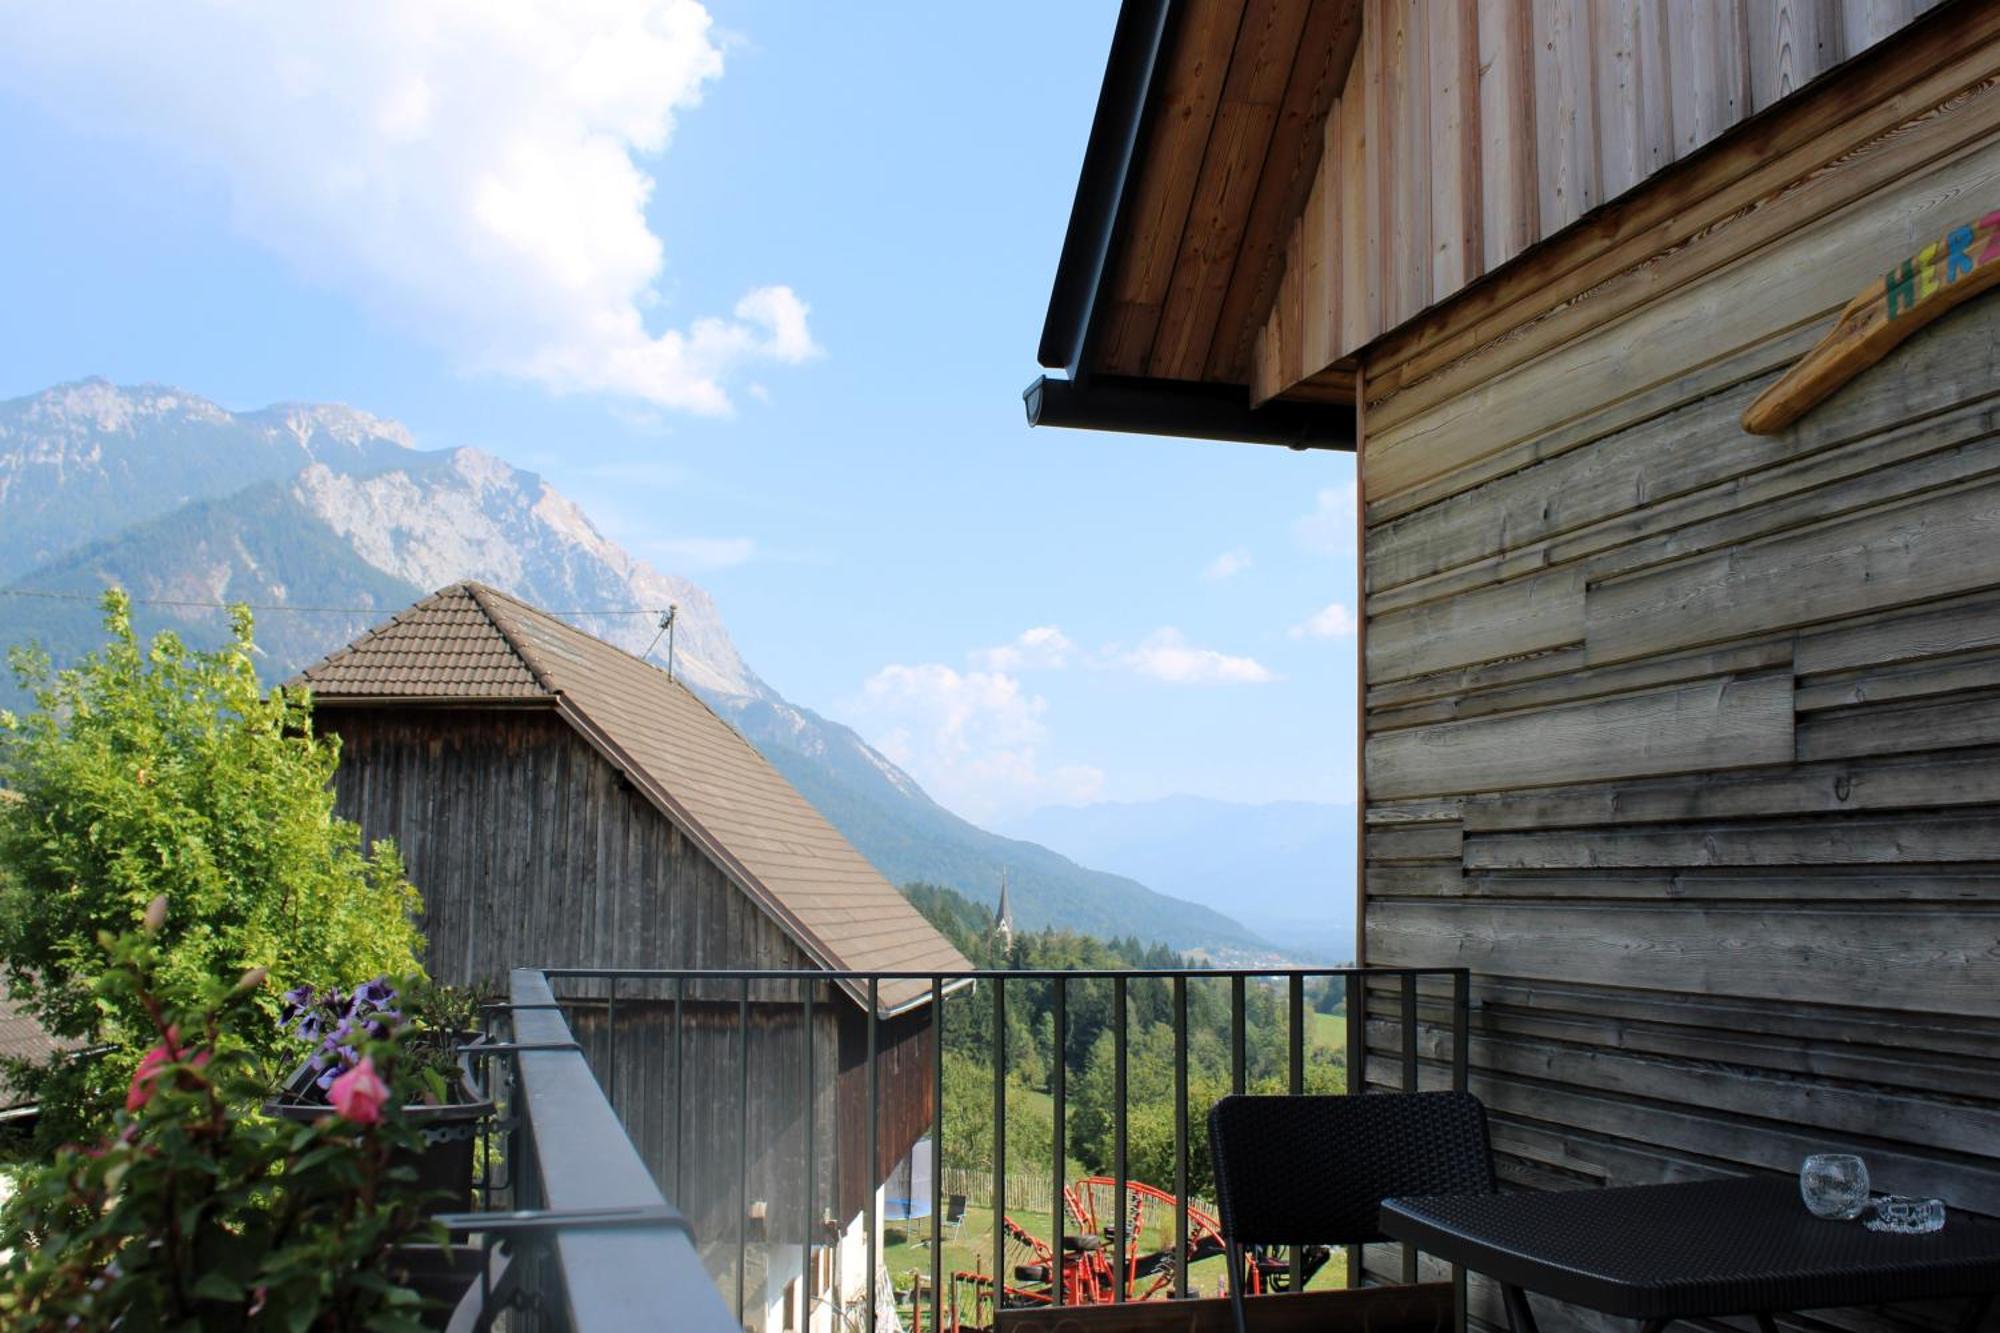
769, 1106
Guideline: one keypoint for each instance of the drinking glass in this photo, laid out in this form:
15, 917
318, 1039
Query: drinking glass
1906, 1216
1834, 1185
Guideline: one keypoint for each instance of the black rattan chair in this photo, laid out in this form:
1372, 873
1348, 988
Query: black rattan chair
1293, 1170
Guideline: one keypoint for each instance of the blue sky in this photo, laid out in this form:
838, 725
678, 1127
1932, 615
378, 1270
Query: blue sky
871, 513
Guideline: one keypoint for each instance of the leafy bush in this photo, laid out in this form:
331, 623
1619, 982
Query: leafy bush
152, 769
200, 1213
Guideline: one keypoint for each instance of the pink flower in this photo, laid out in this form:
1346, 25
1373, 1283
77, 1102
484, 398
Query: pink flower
151, 1064
359, 1093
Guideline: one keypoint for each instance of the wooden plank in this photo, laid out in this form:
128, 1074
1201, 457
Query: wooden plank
1413, 812
1509, 201
1822, 886
1850, 688
1939, 631
1452, 47
1934, 781
1622, 160
1322, 53
1252, 97
1525, 616
1407, 182
1356, 230
1882, 729
1728, 723
1882, 105
1417, 842
1565, 113
1151, 237
1932, 546
1575, 686
1905, 958
1857, 840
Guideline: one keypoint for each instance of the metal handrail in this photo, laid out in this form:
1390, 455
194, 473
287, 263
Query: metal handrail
1404, 1065
575, 1171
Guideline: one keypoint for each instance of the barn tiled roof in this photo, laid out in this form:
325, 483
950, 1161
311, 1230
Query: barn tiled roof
22, 1038
470, 641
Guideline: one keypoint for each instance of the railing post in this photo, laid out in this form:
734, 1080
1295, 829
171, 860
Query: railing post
937, 1157
999, 1139
1411, 1083
1119, 1069
1461, 1070
811, 1219
1357, 1083
742, 1141
874, 1220
1058, 1094
1295, 1017
1180, 1137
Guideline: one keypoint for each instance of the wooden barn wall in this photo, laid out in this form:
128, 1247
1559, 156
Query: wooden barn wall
531, 851
1687, 741
1468, 130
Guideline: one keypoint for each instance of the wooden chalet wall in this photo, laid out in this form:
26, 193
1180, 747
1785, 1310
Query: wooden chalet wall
1468, 130
1687, 741
532, 851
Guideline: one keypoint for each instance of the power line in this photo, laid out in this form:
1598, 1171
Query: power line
280, 606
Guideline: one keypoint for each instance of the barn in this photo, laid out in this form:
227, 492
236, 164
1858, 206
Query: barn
1657, 333
561, 803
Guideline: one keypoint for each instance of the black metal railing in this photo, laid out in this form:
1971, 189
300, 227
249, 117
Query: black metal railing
574, 1233
736, 1084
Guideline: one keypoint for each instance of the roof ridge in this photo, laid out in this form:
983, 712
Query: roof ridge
479, 592
374, 632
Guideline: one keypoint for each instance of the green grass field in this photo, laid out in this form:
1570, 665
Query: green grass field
971, 1250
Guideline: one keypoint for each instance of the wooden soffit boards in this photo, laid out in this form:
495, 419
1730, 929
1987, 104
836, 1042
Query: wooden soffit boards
1470, 131
1230, 149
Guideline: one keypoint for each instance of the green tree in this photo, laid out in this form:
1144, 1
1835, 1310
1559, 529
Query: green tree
154, 769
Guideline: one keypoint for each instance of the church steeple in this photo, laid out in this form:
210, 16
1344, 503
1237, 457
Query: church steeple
1003, 916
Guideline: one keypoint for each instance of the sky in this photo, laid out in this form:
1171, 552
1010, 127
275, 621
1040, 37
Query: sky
759, 285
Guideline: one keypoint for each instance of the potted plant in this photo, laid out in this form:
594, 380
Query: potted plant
197, 1211
431, 1025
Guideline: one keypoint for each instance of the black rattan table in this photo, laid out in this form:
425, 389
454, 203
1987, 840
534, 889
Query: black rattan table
1657, 1253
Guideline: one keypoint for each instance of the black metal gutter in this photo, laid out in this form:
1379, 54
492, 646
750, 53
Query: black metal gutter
1188, 410
1137, 44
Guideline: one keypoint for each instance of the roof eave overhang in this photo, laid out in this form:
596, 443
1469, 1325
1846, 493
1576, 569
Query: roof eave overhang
1123, 105
1188, 411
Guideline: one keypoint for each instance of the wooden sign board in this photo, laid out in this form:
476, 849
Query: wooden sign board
1945, 274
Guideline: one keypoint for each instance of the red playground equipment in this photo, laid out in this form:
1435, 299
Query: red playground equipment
1089, 1272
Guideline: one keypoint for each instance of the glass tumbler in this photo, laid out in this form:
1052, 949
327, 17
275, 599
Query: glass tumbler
1834, 1185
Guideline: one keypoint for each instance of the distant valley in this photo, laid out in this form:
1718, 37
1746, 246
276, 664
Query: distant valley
1282, 868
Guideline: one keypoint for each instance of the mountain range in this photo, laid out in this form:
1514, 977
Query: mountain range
332, 519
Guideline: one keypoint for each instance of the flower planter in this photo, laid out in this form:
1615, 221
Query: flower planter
451, 1133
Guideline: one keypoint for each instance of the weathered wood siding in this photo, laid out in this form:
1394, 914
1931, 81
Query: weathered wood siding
1687, 741
531, 851
1468, 130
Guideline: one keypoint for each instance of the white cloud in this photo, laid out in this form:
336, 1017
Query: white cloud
972, 738
1330, 527
1332, 621
1044, 647
475, 172
1166, 655
685, 553
1228, 565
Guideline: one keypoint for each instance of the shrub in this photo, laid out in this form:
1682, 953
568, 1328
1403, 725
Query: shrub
152, 769
200, 1213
